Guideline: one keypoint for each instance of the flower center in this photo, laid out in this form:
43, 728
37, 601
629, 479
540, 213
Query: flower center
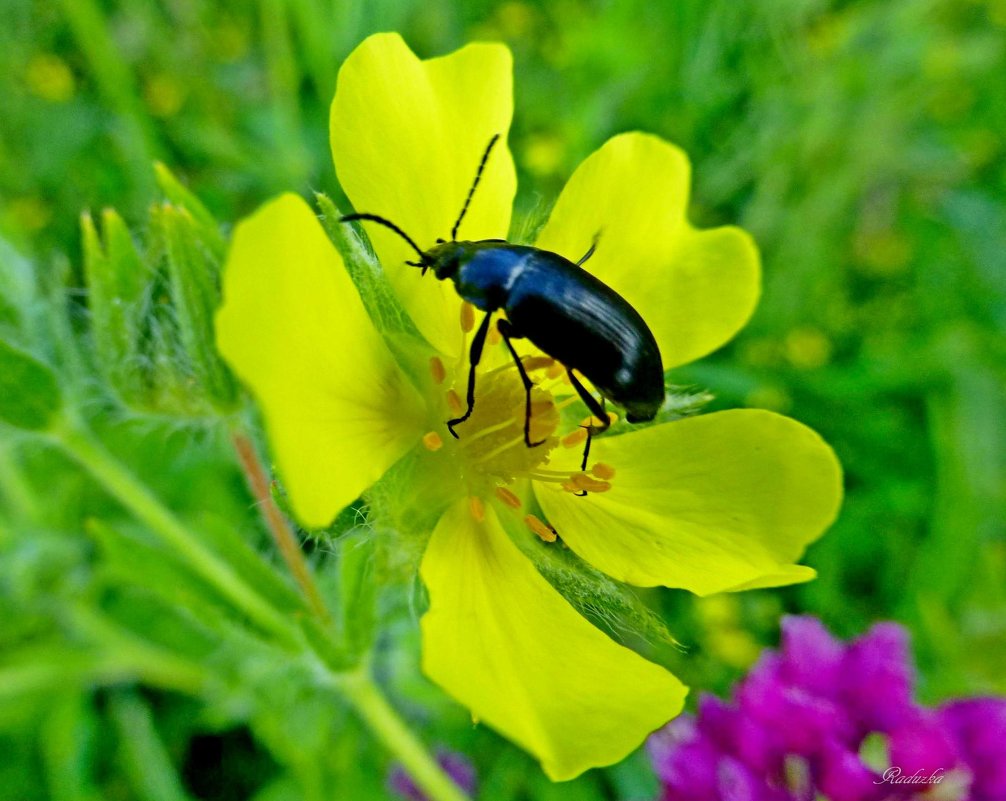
492, 451
492, 439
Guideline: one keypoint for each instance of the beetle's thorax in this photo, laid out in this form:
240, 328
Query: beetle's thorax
483, 272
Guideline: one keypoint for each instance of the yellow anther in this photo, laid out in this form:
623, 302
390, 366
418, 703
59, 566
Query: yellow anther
467, 316
494, 337
603, 471
454, 401
542, 406
477, 508
585, 482
437, 369
574, 439
508, 497
432, 441
612, 418
555, 370
537, 362
543, 530
569, 486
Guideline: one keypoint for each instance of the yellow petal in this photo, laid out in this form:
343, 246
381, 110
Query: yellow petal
718, 502
502, 641
695, 289
407, 137
337, 409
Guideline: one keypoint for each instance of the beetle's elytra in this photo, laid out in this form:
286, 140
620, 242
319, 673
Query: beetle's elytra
559, 307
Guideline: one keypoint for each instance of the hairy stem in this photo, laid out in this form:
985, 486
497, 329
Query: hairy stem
286, 541
362, 692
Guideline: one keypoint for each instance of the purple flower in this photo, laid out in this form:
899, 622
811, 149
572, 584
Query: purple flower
796, 727
878, 679
978, 726
454, 764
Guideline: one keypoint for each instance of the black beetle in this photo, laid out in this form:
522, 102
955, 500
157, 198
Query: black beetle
559, 307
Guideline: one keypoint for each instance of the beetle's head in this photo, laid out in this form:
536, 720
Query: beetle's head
446, 258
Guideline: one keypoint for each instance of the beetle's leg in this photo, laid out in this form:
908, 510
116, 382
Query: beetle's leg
589, 253
506, 329
597, 410
474, 355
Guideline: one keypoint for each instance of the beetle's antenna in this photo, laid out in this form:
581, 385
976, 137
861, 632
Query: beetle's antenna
387, 224
475, 183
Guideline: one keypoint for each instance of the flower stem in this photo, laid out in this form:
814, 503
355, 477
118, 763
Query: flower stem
286, 542
131, 493
366, 698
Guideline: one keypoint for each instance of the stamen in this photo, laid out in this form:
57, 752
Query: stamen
556, 370
541, 406
437, 369
467, 317
468, 439
432, 441
454, 401
603, 471
508, 497
575, 438
543, 530
477, 508
494, 337
569, 486
585, 482
537, 362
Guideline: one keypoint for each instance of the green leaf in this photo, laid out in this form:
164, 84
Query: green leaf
17, 290
29, 394
67, 746
130, 559
142, 753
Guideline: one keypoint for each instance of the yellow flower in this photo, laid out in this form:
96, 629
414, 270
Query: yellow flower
719, 502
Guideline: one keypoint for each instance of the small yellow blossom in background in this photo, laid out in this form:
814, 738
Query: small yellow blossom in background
49, 77
720, 502
807, 348
164, 95
30, 213
723, 631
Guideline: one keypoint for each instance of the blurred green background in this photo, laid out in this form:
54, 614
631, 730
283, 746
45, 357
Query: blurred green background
862, 143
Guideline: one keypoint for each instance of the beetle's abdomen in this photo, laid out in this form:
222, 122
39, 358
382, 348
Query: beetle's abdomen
583, 323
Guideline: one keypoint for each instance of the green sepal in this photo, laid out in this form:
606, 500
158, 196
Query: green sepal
179, 195
364, 269
194, 272
118, 279
30, 396
358, 591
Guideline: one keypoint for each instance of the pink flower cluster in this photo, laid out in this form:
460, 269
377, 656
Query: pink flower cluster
796, 727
